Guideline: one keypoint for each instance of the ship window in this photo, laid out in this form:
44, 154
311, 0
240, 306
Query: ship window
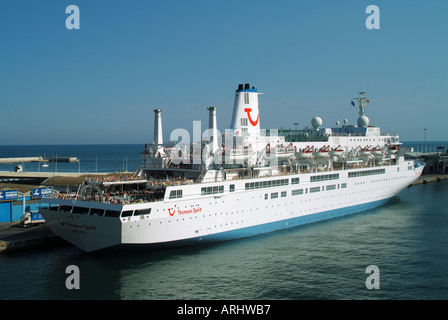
343, 185
325, 177
315, 189
175, 194
112, 213
295, 180
213, 190
266, 196
297, 192
366, 173
267, 184
65, 209
80, 210
331, 187
142, 211
96, 212
232, 188
127, 213
246, 97
283, 194
274, 195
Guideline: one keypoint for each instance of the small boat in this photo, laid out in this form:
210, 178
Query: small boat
377, 151
337, 152
322, 152
305, 153
365, 151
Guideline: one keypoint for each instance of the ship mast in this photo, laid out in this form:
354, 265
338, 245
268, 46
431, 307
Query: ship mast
363, 120
362, 103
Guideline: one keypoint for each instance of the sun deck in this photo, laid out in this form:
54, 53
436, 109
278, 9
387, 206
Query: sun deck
127, 190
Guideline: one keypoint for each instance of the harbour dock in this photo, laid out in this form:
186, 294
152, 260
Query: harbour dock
14, 237
428, 178
48, 178
38, 159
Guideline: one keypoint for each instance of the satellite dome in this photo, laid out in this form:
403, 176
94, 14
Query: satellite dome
363, 122
316, 122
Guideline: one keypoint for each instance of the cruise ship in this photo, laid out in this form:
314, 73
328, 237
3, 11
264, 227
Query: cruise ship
243, 182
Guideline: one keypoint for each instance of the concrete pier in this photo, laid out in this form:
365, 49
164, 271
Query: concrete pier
38, 159
428, 178
14, 237
39, 177
21, 159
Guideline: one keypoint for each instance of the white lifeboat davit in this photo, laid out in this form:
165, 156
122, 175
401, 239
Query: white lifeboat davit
337, 152
377, 151
305, 153
365, 151
322, 152
282, 152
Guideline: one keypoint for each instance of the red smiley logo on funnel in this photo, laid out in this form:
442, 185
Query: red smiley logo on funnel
252, 122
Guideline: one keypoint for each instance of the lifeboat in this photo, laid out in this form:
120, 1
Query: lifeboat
377, 151
305, 153
240, 154
393, 149
322, 152
337, 152
282, 152
365, 151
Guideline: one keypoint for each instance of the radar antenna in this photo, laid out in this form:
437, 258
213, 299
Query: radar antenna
363, 121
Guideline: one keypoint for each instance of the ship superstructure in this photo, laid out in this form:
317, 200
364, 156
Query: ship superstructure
236, 183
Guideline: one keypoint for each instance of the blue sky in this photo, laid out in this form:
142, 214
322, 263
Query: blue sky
99, 84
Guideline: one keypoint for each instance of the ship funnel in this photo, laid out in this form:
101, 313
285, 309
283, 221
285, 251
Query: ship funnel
246, 117
158, 136
213, 128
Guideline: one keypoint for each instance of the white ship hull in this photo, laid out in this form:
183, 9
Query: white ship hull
231, 215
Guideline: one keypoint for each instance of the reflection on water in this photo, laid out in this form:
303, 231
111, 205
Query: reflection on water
406, 239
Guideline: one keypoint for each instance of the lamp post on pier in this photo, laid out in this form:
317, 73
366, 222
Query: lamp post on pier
426, 149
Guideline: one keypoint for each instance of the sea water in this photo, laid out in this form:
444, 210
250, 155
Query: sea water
405, 239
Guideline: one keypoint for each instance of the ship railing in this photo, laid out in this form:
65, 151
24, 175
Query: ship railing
108, 199
159, 185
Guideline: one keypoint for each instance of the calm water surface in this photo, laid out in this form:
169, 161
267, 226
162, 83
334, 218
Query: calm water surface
406, 239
